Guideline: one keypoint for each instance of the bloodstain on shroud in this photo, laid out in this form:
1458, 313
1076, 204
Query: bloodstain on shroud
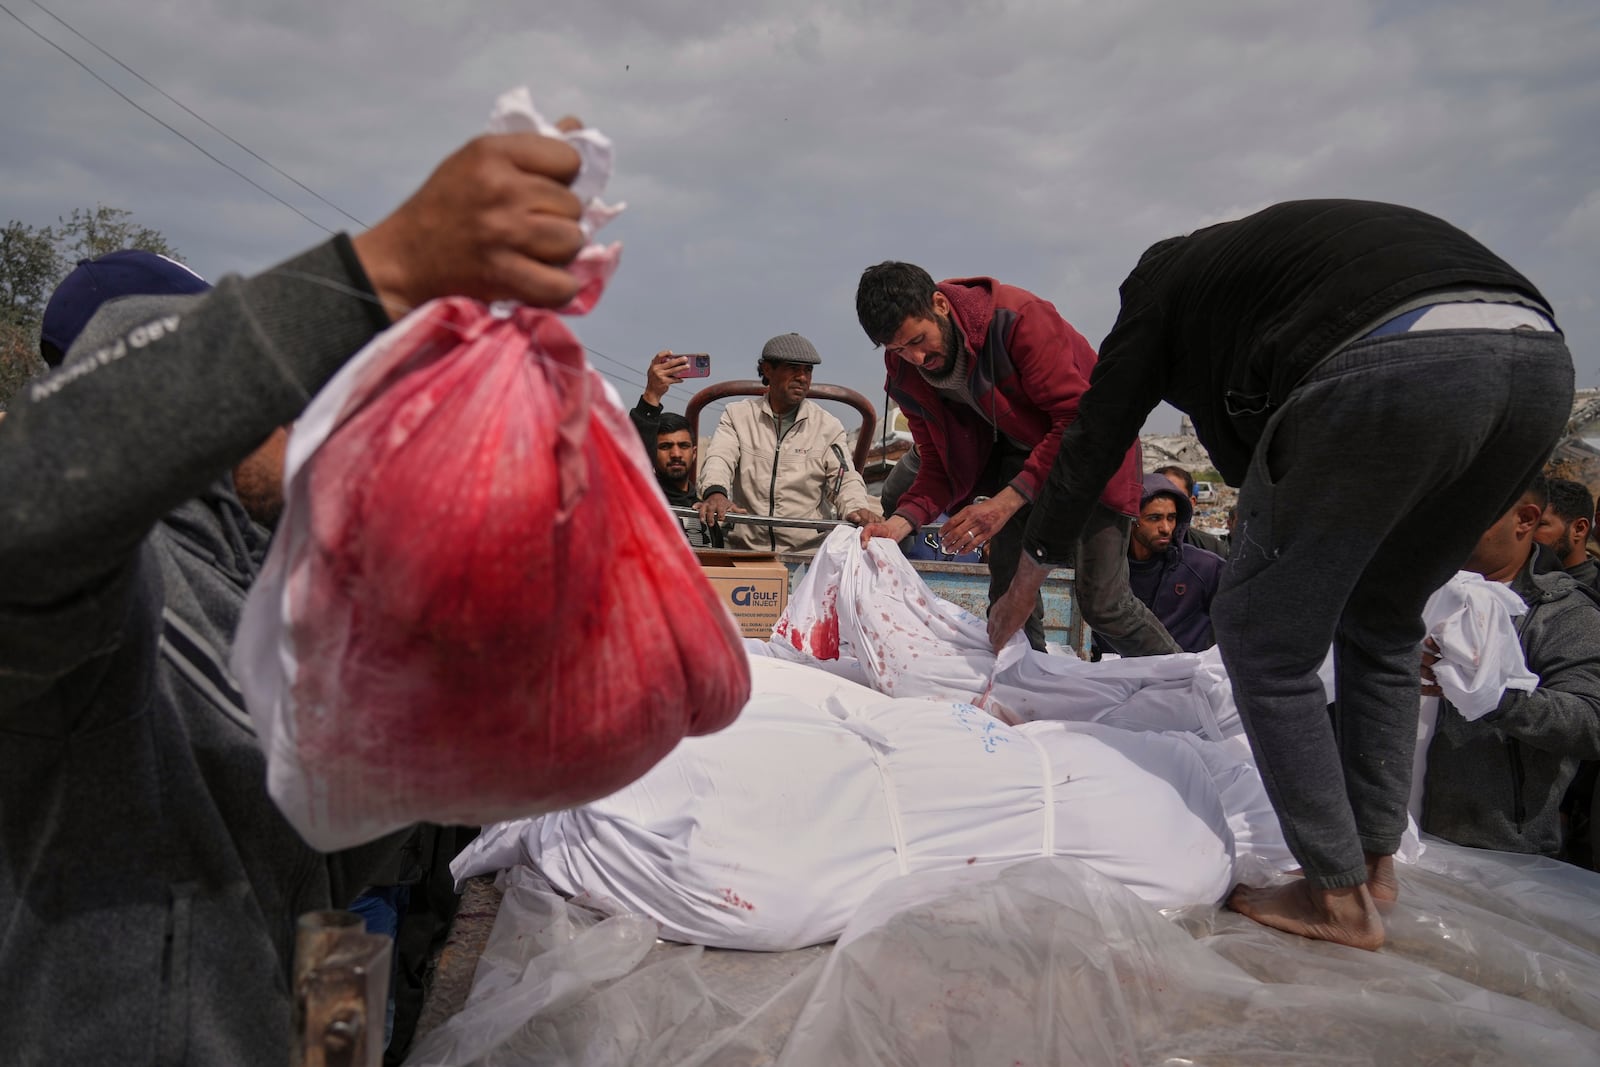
733, 900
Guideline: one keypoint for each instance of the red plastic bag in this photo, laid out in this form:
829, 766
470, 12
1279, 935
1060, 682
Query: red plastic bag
487, 610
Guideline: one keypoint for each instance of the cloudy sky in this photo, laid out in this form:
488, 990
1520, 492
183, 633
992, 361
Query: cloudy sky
769, 151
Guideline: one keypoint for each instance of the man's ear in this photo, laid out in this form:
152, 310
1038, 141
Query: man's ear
1580, 530
1528, 515
941, 306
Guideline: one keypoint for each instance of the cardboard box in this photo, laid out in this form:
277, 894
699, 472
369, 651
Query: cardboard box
755, 588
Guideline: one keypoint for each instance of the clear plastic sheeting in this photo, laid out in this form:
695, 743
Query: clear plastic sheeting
1492, 959
1047, 962
559, 983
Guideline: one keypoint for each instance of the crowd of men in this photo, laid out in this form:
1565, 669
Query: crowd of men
1027, 440
145, 873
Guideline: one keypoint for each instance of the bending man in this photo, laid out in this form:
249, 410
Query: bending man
1381, 387
988, 376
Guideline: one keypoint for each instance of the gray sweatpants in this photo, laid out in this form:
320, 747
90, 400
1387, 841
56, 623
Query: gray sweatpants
1369, 488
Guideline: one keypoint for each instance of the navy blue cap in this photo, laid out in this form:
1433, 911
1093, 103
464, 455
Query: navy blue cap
93, 282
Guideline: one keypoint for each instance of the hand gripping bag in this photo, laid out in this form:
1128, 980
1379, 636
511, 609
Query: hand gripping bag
477, 605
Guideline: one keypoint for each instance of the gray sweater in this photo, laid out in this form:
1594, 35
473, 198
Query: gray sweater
148, 886
1498, 782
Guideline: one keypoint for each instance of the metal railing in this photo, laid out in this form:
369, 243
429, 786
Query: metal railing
742, 519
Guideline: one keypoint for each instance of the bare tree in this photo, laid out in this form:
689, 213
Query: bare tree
85, 234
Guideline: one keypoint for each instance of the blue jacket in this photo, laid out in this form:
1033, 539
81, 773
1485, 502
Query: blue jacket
1179, 584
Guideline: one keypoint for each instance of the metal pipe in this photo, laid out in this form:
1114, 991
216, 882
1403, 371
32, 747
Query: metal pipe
734, 517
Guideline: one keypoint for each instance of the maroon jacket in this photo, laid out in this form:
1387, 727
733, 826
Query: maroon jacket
1027, 368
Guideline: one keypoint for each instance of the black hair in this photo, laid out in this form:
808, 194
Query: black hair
1570, 499
888, 295
761, 370
1538, 490
1183, 475
672, 422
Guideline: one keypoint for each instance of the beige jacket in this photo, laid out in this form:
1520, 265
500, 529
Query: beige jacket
807, 476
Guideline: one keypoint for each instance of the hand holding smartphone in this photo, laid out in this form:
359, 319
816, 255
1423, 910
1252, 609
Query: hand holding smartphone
669, 368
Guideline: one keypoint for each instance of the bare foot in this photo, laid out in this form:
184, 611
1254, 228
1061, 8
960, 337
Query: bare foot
1382, 882
1344, 916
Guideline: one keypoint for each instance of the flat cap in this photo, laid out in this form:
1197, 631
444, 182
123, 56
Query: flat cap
790, 348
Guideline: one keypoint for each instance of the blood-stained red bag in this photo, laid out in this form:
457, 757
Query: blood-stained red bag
477, 606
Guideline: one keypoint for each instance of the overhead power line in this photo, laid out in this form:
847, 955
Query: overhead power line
631, 379
151, 115
633, 372
201, 118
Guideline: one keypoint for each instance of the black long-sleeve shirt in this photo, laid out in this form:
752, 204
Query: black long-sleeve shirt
1225, 322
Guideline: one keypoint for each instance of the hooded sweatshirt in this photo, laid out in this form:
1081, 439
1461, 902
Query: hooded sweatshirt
148, 886
1498, 782
1178, 584
1027, 369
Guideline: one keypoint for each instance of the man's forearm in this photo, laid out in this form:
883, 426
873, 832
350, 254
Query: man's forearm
1061, 508
1055, 525
720, 468
1565, 723
646, 418
903, 526
160, 397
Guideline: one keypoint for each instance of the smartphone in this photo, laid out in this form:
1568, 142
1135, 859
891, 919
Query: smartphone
699, 365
